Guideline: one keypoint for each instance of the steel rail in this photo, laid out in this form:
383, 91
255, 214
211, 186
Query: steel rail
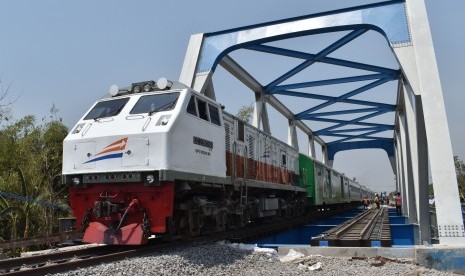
368, 229
55, 238
344, 228
362, 230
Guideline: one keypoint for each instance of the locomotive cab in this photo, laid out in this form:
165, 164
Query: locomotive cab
122, 157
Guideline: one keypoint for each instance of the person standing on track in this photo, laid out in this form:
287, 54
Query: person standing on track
377, 200
398, 200
365, 203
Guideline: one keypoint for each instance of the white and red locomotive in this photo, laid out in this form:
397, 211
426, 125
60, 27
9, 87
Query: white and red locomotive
160, 158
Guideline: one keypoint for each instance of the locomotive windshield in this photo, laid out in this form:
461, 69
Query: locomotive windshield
155, 103
106, 109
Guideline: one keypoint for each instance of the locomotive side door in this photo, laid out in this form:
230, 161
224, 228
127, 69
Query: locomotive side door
239, 151
229, 143
250, 155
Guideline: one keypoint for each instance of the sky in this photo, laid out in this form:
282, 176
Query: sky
68, 54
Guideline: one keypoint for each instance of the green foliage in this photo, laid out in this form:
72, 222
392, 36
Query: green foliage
460, 171
5, 103
430, 190
245, 113
30, 166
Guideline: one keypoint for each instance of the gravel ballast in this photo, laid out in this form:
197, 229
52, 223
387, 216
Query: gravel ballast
235, 259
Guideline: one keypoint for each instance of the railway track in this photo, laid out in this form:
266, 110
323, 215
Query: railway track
370, 228
72, 259
50, 239
57, 261
77, 258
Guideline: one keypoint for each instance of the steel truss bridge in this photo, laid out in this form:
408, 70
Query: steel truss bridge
417, 141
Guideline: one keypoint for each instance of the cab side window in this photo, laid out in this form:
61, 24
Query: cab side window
214, 114
191, 109
203, 110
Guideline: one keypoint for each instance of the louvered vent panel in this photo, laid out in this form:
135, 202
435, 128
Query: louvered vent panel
251, 165
228, 149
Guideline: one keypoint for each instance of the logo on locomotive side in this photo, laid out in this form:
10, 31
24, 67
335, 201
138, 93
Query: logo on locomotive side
113, 150
204, 143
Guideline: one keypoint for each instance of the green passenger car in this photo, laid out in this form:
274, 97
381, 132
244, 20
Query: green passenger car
323, 184
307, 177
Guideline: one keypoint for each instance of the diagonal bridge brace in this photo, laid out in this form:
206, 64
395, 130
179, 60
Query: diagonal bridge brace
331, 48
327, 60
345, 96
329, 98
356, 120
331, 82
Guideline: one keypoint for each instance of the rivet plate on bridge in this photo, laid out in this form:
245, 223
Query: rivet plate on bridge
451, 230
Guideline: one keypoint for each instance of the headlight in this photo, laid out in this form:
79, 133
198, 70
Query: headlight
147, 87
78, 128
150, 179
144, 86
114, 90
136, 88
163, 83
76, 181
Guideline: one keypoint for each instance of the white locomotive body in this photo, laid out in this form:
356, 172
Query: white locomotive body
160, 158
190, 136
172, 152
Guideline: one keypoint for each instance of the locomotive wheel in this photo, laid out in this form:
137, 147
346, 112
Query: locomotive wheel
195, 223
171, 230
221, 220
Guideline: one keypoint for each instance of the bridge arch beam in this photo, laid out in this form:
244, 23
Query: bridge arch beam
405, 26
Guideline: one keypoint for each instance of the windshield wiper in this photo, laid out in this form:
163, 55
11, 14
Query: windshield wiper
162, 108
107, 114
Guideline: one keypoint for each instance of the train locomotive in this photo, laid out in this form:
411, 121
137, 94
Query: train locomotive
158, 158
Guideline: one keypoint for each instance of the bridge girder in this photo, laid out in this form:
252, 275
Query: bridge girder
420, 130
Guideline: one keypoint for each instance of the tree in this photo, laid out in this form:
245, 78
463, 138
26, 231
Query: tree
30, 166
245, 113
460, 171
51, 157
5, 103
